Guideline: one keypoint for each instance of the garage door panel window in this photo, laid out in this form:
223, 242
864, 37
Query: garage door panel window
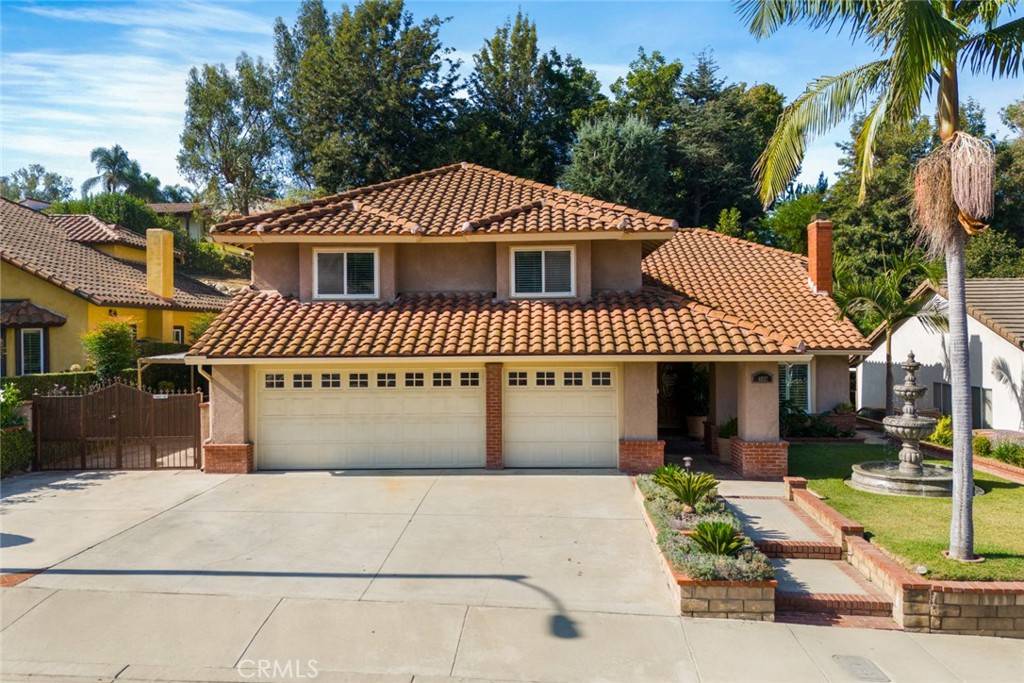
330, 380
572, 379
543, 272
358, 380
442, 379
601, 378
302, 380
346, 274
386, 380
414, 379
517, 379
469, 379
274, 380
545, 379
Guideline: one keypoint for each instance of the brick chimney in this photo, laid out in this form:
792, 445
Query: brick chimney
819, 253
160, 263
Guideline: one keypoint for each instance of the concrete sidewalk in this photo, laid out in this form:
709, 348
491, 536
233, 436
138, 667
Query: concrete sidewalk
94, 635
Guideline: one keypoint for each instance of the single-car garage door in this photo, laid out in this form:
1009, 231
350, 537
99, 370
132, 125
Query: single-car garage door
388, 418
561, 417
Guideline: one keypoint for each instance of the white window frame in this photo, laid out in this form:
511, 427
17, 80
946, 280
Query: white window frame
543, 274
344, 274
178, 333
42, 349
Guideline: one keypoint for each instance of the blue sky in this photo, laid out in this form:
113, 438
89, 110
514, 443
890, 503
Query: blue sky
77, 75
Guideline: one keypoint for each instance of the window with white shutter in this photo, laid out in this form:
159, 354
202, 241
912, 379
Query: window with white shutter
543, 272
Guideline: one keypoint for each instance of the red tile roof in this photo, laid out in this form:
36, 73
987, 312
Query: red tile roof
753, 282
29, 240
24, 313
91, 230
452, 200
651, 322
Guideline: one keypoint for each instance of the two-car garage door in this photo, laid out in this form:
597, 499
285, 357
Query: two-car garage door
429, 417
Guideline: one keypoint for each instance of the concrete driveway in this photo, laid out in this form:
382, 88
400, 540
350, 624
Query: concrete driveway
383, 577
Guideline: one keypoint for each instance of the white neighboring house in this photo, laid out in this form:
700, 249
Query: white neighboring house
995, 328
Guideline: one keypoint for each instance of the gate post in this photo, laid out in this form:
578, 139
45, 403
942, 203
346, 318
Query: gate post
38, 433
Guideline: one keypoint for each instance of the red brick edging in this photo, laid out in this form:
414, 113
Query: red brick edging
990, 608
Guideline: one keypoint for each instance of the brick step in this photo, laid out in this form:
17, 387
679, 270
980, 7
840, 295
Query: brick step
852, 604
836, 620
801, 550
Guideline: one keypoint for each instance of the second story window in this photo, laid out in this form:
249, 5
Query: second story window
543, 272
345, 274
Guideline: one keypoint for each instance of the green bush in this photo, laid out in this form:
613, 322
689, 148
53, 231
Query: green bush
198, 326
207, 258
1010, 452
982, 445
718, 538
17, 448
111, 348
943, 434
688, 488
60, 382
729, 428
10, 399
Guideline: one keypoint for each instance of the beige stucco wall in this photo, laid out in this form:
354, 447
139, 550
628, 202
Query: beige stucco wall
640, 401
723, 392
228, 394
757, 405
831, 382
276, 267
446, 268
615, 266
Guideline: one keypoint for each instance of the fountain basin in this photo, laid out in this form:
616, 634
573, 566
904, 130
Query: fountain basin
884, 476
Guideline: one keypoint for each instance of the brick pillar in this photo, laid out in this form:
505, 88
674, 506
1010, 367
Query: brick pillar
641, 457
227, 458
495, 436
760, 459
710, 437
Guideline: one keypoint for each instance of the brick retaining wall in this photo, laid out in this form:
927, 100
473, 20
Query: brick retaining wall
760, 459
641, 457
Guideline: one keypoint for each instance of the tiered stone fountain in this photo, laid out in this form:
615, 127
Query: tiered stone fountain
909, 476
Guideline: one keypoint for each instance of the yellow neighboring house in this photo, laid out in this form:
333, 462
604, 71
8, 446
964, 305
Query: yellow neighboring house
63, 275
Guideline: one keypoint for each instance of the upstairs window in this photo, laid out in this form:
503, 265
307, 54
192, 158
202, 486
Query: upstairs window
543, 272
345, 274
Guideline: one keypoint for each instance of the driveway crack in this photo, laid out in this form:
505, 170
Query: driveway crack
258, 629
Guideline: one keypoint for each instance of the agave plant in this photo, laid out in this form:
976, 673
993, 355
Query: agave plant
687, 487
718, 538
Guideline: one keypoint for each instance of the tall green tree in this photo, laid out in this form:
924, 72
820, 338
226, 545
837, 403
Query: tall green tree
369, 99
882, 300
651, 89
785, 225
618, 161
34, 181
1009, 216
229, 142
114, 168
521, 104
920, 45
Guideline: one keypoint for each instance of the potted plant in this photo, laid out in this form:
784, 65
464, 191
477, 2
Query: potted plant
695, 385
726, 431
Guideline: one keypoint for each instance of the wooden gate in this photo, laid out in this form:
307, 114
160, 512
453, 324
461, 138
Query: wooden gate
117, 427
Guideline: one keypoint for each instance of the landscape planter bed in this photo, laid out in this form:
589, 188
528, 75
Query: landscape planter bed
747, 600
984, 608
988, 464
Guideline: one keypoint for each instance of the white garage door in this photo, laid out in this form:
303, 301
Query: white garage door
335, 419
561, 417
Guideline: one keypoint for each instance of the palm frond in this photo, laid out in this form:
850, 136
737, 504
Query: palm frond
996, 52
864, 149
765, 17
826, 102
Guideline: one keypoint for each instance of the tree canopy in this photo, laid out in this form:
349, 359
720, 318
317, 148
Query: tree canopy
35, 182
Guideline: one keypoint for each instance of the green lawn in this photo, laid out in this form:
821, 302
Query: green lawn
917, 529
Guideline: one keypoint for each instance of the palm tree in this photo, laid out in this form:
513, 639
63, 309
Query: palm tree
881, 299
922, 45
114, 167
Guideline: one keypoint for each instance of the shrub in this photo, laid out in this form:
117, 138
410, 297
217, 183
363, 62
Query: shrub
718, 538
1010, 452
943, 434
687, 487
982, 445
59, 382
111, 348
729, 428
207, 258
17, 447
10, 400
198, 326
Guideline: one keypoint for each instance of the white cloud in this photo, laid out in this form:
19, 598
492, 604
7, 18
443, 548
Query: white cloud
190, 17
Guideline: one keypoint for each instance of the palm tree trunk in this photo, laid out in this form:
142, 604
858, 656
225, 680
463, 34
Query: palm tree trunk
888, 371
961, 528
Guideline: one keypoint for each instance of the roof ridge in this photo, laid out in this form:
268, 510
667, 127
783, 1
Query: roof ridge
757, 328
746, 242
525, 207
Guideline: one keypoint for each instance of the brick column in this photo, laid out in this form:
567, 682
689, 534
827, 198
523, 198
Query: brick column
710, 437
641, 457
495, 436
227, 458
760, 459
